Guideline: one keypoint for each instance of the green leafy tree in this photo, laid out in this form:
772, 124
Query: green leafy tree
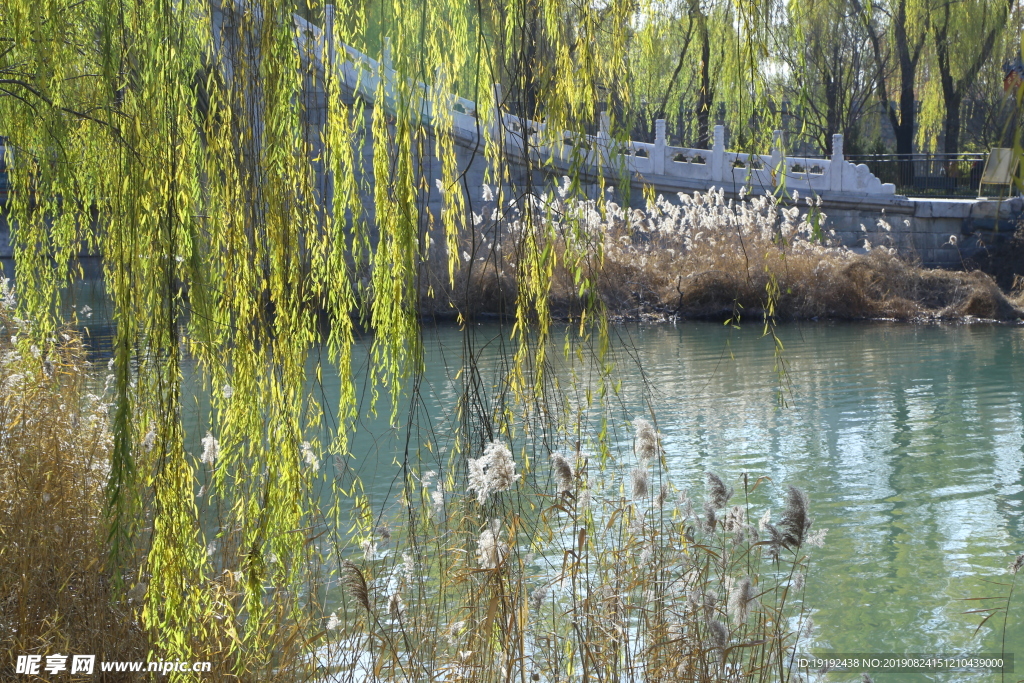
827, 55
966, 35
897, 31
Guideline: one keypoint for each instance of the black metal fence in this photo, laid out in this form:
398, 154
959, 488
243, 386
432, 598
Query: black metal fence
927, 175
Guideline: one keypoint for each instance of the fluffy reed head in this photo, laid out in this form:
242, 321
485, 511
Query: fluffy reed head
795, 523
710, 518
494, 472
355, 583
719, 634
211, 449
645, 443
741, 598
563, 471
735, 519
491, 549
640, 482
537, 597
718, 494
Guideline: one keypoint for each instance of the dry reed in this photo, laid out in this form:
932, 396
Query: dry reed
55, 594
705, 256
576, 581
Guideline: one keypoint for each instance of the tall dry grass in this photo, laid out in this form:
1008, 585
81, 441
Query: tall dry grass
55, 594
705, 256
601, 573
578, 568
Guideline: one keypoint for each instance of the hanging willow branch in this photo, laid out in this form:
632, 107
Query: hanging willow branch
215, 161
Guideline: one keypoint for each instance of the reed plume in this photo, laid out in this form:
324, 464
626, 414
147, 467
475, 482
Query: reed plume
645, 441
741, 599
564, 475
718, 494
355, 583
735, 519
495, 471
640, 480
491, 549
795, 523
719, 634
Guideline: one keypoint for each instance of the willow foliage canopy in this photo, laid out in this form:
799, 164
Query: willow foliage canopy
248, 209
177, 140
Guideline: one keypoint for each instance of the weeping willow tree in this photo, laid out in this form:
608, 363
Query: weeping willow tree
973, 31
679, 63
250, 207
898, 33
177, 140
700, 63
827, 51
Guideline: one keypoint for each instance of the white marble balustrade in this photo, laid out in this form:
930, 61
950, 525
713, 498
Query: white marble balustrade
657, 161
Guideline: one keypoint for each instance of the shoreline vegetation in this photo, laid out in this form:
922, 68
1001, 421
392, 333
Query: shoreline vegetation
497, 571
56, 593
712, 258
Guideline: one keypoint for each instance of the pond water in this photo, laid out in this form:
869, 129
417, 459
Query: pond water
909, 441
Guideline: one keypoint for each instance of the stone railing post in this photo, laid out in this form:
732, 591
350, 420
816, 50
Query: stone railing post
659, 146
836, 167
497, 121
440, 98
718, 155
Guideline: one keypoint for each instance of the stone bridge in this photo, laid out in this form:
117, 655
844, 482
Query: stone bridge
853, 199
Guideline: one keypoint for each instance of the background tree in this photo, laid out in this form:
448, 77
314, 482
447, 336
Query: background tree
827, 56
897, 31
965, 34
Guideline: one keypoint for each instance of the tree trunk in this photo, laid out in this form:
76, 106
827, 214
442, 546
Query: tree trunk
953, 91
952, 127
904, 120
904, 129
833, 111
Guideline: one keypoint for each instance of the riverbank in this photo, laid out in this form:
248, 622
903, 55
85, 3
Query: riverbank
875, 286
712, 258
707, 258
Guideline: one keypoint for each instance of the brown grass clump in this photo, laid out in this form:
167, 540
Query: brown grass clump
55, 596
1003, 259
709, 257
